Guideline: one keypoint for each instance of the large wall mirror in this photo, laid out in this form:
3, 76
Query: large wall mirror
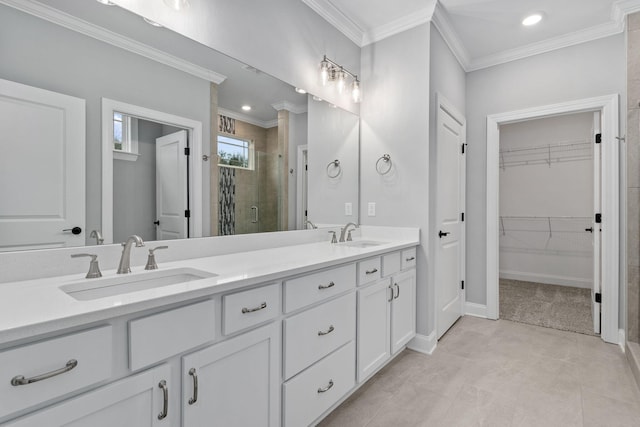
134, 99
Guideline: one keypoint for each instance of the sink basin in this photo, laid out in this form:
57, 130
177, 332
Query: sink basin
123, 284
362, 243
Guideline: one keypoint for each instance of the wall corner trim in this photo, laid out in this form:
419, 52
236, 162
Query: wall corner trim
425, 344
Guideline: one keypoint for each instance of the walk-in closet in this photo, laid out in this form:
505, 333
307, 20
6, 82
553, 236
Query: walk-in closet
549, 194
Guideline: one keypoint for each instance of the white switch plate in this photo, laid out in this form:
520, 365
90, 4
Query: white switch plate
348, 209
371, 209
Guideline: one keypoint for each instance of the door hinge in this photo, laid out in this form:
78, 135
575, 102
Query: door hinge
598, 218
463, 147
598, 297
187, 213
463, 284
462, 216
306, 167
305, 213
187, 151
598, 138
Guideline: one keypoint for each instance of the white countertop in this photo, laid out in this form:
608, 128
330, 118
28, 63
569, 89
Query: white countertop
39, 306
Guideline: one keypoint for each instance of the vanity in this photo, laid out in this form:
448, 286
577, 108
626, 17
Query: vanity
277, 336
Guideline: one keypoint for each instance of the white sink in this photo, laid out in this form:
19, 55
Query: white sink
91, 289
363, 243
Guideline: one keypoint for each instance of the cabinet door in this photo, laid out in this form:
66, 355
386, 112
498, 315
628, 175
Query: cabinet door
374, 315
234, 383
403, 309
134, 401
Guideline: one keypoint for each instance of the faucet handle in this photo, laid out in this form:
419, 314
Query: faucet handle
349, 239
333, 238
151, 261
94, 267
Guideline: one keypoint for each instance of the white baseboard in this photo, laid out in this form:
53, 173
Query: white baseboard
549, 279
423, 343
622, 341
475, 310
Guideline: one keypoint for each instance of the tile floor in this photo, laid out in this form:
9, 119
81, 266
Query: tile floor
499, 373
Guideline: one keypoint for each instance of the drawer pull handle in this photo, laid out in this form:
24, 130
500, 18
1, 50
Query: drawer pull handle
375, 270
327, 332
165, 394
194, 399
21, 380
330, 285
327, 388
251, 310
391, 299
410, 259
397, 287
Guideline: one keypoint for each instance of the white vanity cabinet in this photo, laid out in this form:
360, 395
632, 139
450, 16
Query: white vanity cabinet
386, 315
139, 400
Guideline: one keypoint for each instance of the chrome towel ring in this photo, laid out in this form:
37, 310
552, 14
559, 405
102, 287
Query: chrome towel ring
385, 167
337, 169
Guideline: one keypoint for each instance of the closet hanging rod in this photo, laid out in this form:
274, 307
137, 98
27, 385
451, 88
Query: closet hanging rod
544, 217
569, 146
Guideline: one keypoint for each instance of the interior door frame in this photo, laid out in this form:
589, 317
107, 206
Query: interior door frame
608, 106
194, 130
300, 187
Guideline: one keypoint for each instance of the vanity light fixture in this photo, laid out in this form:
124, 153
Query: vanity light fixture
152, 23
330, 71
246, 107
177, 5
532, 19
301, 91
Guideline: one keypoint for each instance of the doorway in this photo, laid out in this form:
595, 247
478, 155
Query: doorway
607, 107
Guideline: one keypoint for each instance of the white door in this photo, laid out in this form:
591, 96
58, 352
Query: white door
42, 168
133, 401
403, 309
597, 229
234, 383
171, 186
449, 232
374, 334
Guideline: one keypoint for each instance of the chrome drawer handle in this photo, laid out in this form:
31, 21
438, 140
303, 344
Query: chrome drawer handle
165, 407
397, 287
330, 285
327, 388
410, 259
251, 310
375, 270
21, 380
194, 399
391, 299
327, 332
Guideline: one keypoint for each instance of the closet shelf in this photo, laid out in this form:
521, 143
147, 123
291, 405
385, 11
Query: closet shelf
546, 154
545, 224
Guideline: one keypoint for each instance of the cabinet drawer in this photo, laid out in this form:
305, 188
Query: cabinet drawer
390, 264
159, 336
369, 271
311, 335
245, 309
92, 350
311, 393
305, 290
408, 258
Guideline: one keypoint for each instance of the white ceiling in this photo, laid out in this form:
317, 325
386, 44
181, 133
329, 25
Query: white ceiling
481, 33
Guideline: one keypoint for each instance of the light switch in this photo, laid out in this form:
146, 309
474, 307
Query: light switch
371, 209
348, 209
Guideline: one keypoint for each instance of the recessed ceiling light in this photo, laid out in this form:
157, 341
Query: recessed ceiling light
532, 20
152, 23
177, 4
106, 2
246, 107
302, 91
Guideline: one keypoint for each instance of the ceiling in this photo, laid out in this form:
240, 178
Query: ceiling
481, 33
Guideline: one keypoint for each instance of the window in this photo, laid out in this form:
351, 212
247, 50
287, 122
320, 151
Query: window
234, 152
125, 137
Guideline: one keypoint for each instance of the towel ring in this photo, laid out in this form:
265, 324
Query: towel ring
386, 159
336, 165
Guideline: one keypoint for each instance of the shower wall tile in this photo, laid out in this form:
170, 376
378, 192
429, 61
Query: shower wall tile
633, 304
633, 227
213, 159
633, 177
634, 22
633, 148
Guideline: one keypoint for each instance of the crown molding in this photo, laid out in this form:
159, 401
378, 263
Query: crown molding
399, 25
267, 124
88, 29
290, 106
622, 8
443, 24
339, 20
571, 39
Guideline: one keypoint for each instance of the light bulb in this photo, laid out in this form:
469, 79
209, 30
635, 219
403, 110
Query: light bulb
355, 91
532, 20
342, 81
324, 72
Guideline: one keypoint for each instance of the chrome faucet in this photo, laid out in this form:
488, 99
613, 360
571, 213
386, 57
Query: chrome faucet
98, 236
311, 224
125, 259
344, 230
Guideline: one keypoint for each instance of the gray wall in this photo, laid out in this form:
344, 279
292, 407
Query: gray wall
44, 55
558, 76
394, 120
297, 136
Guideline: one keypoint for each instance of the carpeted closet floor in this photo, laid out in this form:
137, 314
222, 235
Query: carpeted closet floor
552, 306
